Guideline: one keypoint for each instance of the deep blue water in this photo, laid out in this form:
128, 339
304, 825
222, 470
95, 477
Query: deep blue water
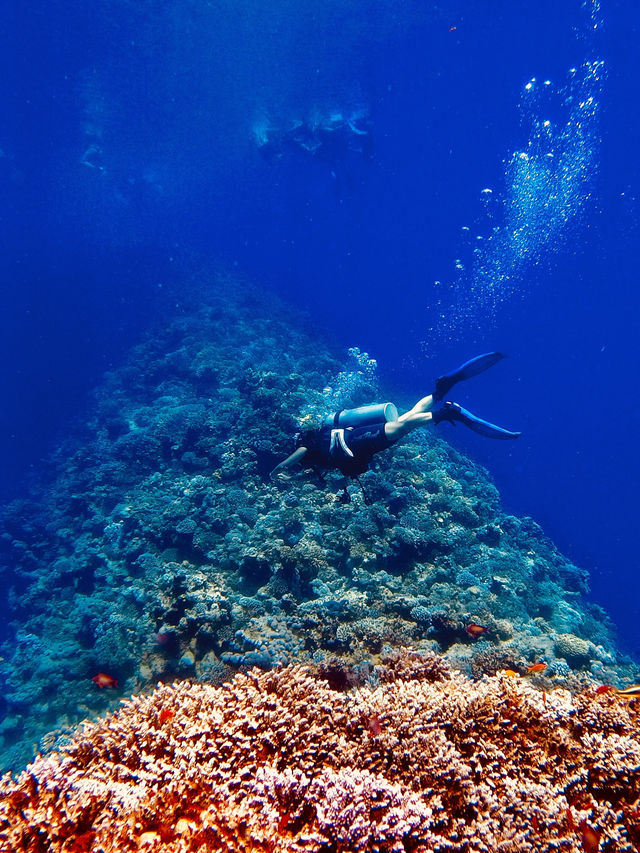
130, 169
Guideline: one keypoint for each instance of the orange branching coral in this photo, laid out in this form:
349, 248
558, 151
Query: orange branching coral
278, 761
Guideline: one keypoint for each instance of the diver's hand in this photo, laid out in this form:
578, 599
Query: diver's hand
279, 476
278, 471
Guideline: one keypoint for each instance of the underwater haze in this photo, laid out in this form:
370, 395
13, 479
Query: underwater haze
423, 181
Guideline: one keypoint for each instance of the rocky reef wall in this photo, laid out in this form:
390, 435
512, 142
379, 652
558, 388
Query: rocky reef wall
159, 549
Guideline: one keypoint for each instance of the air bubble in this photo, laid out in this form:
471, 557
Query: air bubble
548, 181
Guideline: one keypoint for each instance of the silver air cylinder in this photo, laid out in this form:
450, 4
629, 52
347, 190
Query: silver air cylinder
363, 416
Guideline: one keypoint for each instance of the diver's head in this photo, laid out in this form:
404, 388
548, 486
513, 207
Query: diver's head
304, 438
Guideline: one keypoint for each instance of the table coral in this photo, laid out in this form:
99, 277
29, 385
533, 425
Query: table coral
279, 761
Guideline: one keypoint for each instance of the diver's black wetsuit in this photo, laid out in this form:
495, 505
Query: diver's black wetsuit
364, 442
350, 449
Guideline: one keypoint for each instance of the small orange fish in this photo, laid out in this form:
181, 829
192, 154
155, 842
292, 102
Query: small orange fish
510, 673
606, 688
104, 680
537, 667
590, 837
474, 630
164, 715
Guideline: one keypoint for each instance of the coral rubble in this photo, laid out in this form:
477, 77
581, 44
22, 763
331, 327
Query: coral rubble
280, 761
160, 550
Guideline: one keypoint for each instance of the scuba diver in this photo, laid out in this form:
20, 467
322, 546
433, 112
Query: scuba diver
348, 440
328, 137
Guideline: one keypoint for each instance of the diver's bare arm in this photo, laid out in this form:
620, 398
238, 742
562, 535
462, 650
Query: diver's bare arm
296, 456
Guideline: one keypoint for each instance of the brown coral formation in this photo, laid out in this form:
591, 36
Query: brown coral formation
279, 761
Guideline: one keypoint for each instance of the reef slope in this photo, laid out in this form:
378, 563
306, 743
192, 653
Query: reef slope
160, 550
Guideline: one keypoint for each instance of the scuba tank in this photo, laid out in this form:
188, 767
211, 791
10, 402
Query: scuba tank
363, 416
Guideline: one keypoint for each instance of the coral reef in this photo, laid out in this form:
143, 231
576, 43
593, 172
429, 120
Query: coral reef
279, 761
159, 549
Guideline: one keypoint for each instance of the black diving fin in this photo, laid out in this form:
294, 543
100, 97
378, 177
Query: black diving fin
470, 368
452, 412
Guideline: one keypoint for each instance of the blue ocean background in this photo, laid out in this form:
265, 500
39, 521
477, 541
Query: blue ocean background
129, 165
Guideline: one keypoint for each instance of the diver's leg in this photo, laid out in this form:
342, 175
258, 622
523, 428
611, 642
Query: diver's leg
422, 406
451, 412
444, 383
418, 416
405, 424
